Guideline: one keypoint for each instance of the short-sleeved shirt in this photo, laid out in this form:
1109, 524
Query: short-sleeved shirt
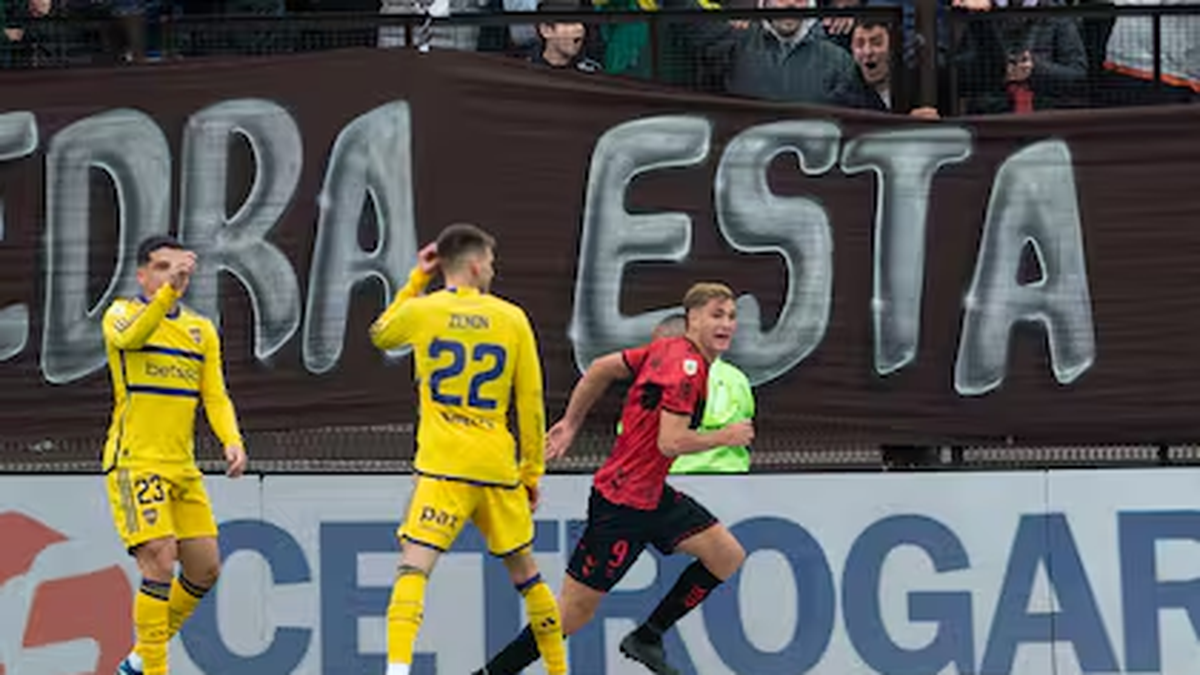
668, 374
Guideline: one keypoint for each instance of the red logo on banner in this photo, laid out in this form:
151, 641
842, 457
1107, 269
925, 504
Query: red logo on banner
96, 605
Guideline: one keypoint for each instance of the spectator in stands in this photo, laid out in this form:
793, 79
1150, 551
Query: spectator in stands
131, 16
35, 44
1020, 65
441, 37
784, 59
513, 38
9, 34
1130, 58
562, 43
871, 46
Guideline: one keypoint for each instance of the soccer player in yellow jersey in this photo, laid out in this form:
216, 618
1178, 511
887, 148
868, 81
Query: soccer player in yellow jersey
164, 359
473, 353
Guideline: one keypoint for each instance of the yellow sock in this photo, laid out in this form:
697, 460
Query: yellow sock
183, 600
150, 611
542, 611
404, 615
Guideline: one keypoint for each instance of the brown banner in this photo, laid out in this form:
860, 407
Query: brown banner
970, 280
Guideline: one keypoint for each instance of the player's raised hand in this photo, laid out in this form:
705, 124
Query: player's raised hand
235, 458
427, 258
183, 263
559, 439
739, 433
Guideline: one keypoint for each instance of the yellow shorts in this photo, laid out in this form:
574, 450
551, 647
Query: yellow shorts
152, 503
439, 508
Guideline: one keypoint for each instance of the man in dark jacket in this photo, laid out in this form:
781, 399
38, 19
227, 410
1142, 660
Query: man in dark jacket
561, 43
871, 46
785, 59
1021, 64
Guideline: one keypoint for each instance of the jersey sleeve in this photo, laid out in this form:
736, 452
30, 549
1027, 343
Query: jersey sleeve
128, 327
683, 381
634, 358
530, 405
218, 407
395, 327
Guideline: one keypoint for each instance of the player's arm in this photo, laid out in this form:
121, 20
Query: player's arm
394, 328
130, 331
218, 407
595, 381
531, 407
682, 395
675, 438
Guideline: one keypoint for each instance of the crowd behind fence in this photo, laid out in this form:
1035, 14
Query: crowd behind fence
919, 57
1005, 60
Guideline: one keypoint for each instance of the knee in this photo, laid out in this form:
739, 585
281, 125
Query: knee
577, 612
737, 555
156, 559
726, 558
206, 574
522, 570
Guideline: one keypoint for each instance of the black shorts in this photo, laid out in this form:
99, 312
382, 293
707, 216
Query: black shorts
616, 535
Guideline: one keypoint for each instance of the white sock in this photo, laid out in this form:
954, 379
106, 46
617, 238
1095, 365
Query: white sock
397, 669
135, 660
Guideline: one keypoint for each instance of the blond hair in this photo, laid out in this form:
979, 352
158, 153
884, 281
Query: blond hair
702, 293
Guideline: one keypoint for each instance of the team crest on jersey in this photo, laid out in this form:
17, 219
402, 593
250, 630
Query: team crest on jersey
690, 366
195, 333
151, 516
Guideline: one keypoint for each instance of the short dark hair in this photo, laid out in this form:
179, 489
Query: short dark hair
461, 239
153, 243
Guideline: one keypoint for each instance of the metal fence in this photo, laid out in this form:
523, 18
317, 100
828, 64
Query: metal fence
961, 62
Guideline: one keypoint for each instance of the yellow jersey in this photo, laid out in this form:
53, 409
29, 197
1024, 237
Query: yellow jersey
164, 359
474, 354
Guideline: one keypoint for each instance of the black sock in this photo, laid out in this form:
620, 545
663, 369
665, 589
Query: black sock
516, 656
689, 591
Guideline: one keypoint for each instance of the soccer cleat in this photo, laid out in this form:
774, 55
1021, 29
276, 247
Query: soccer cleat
649, 654
126, 668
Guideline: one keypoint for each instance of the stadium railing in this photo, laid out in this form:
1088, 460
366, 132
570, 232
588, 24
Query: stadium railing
946, 76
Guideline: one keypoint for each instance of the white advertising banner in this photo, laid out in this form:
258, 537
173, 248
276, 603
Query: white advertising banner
1061, 573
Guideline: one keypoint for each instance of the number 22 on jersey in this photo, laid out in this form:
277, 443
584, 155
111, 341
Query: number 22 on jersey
483, 362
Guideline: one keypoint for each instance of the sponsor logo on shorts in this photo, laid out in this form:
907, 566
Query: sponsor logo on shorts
438, 517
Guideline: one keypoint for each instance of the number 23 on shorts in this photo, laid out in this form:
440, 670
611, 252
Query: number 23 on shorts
487, 362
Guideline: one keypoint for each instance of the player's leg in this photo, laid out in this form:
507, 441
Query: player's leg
142, 514
200, 565
505, 519
199, 555
610, 545
577, 604
687, 527
436, 514
545, 623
